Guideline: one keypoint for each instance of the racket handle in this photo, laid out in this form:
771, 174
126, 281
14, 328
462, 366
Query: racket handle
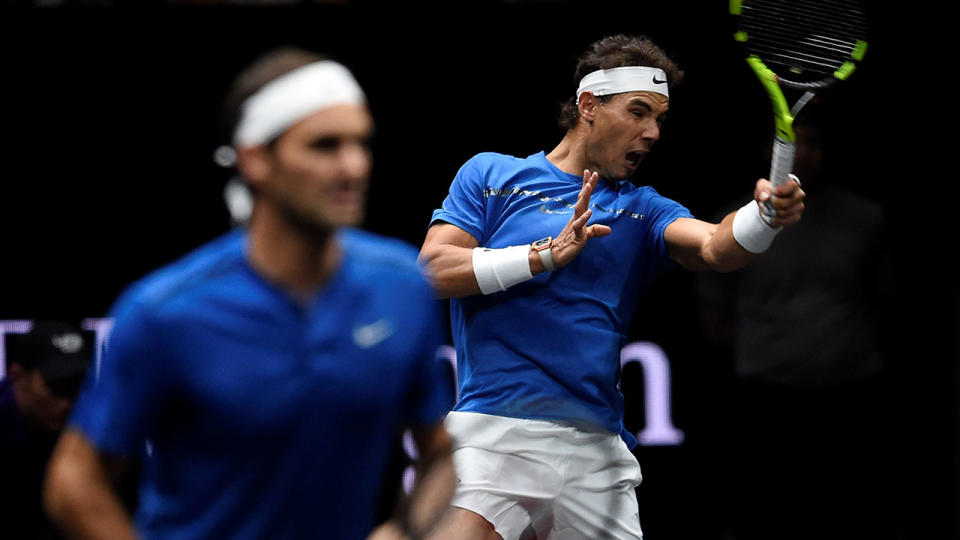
781, 165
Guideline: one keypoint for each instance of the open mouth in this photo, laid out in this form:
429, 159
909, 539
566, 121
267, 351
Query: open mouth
635, 157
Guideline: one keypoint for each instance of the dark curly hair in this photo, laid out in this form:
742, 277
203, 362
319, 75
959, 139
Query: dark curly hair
618, 51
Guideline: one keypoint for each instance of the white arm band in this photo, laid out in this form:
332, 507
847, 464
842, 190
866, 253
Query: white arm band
498, 269
751, 231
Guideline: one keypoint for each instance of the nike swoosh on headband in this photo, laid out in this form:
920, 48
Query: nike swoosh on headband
624, 79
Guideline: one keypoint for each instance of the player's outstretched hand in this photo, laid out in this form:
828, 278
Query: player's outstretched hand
787, 200
572, 239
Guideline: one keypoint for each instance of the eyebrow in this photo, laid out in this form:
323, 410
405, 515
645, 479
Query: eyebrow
638, 100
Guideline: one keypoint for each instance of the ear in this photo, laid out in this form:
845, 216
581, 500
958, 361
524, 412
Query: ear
254, 163
587, 106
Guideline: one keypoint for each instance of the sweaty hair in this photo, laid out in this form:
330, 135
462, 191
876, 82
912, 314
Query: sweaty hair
618, 51
264, 69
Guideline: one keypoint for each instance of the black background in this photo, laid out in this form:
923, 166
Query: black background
111, 119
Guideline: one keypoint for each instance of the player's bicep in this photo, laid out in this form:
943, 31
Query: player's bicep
446, 248
447, 256
447, 234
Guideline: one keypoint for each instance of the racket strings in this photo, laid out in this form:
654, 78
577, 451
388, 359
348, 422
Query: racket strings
809, 39
838, 18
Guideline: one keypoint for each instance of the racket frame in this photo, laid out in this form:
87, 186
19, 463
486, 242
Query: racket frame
784, 141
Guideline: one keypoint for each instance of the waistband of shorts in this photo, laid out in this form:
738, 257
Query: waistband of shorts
483, 430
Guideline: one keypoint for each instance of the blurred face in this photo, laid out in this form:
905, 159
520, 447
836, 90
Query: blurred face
317, 171
38, 403
623, 131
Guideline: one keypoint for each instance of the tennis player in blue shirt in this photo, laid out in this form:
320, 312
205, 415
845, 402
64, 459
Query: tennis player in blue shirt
267, 376
544, 258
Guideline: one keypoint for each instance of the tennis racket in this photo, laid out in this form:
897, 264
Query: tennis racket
802, 46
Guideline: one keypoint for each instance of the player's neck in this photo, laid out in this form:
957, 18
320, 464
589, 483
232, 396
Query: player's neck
570, 155
287, 256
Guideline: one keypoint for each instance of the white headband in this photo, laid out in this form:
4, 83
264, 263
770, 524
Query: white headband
624, 79
289, 98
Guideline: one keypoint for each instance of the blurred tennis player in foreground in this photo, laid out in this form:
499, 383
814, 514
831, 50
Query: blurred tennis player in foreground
267, 376
544, 258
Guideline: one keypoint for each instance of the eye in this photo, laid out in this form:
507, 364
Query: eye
325, 144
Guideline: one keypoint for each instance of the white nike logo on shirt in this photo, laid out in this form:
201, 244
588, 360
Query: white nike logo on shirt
368, 335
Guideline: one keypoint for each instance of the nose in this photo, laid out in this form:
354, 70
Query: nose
651, 131
355, 160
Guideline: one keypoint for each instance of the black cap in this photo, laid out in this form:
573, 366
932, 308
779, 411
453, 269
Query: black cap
60, 351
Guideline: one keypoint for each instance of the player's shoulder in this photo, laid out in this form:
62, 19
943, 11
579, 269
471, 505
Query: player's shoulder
486, 161
647, 194
649, 206
492, 158
195, 269
495, 169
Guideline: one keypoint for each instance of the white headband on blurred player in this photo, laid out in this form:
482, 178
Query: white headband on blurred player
291, 97
624, 79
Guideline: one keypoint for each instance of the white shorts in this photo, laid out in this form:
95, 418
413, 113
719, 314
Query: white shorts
558, 480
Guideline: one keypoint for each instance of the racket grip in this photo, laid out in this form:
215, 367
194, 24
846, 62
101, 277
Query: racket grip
781, 165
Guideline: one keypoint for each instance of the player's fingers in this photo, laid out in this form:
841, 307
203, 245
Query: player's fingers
791, 210
789, 189
580, 221
785, 206
788, 199
789, 219
583, 199
596, 230
593, 179
763, 190
590, 178
788, 215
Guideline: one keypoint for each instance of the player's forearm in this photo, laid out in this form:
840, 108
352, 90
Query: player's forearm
700, 246
453, 272
78, 494
450, 270
432, 494
435, 484
741, 235
722, 252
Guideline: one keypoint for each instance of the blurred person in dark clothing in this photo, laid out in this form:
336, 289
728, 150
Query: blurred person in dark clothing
802, 324
45, 369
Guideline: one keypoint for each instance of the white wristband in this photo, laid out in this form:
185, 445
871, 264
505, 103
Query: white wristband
498, 269
751, 231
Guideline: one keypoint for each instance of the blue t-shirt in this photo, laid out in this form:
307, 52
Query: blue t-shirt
263, 417
549, 348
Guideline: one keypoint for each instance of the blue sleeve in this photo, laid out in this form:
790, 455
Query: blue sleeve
465, 202
663, 212
119, 403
